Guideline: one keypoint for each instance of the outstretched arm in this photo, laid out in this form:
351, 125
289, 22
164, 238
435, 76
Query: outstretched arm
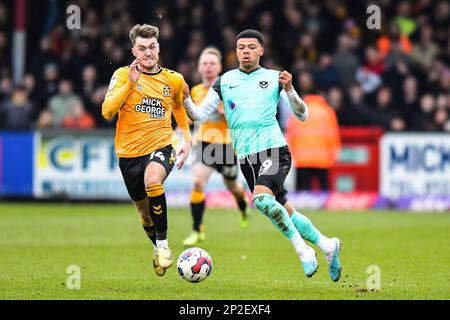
291, 98
208, 106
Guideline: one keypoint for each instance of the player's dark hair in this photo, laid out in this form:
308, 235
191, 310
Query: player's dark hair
250, 33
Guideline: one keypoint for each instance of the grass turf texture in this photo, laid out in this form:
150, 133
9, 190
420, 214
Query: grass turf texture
38, 242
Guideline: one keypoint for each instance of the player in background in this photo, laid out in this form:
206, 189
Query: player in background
213, 150
145, 95
250, 95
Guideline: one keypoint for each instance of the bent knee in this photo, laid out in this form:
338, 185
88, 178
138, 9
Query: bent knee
152, 180
154, 173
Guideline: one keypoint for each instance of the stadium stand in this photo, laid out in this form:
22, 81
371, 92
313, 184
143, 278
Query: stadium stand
397, 77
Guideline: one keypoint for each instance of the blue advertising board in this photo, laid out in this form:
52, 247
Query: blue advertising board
16, 163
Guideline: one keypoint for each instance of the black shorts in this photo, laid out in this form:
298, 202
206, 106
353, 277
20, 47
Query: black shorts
218, 156
133, 169
268, 168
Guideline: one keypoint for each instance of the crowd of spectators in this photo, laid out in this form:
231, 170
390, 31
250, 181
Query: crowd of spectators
396, 77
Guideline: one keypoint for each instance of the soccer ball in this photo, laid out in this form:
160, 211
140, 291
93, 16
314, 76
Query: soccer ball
194, 265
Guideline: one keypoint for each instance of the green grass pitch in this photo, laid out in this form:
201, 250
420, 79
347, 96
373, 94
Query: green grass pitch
39, 241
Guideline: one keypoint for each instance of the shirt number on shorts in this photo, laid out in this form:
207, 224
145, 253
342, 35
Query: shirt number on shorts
158, 154
265, 166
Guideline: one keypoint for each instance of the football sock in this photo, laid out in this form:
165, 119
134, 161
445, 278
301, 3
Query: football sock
197, 208
303, 250
162, 243
158, 209
149, 228
310, 233
242, 204
279, 216
305, 227
325, 244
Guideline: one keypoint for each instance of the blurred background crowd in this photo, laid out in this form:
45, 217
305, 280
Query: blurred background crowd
397, 78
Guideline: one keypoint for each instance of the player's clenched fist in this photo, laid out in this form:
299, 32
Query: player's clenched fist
286, 80
135, 71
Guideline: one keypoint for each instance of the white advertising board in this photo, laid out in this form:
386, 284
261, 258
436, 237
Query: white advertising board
415, 165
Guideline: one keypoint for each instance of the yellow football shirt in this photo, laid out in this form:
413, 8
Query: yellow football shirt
211, 131
144, 123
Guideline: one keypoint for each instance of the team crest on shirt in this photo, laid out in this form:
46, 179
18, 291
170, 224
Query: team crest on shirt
166, 91
139, 86
231, 104
263, 84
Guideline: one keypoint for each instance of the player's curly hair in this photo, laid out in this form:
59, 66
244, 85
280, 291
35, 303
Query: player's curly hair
144, 31
250, 33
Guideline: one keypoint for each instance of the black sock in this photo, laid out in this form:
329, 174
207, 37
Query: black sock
158, 210
242, 204
197, 208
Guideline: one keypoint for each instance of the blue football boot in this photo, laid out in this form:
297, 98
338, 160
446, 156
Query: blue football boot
334, 265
